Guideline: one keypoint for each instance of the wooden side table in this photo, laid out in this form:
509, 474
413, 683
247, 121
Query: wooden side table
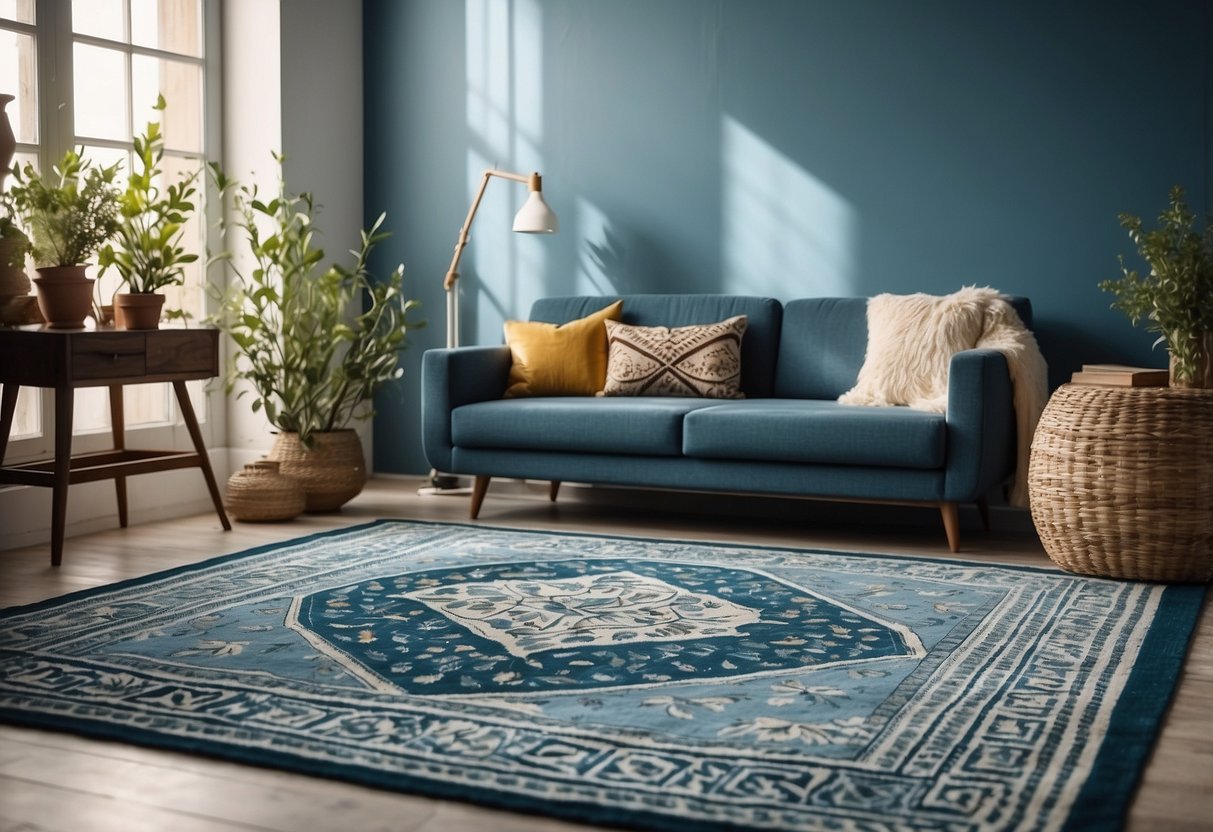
67, 359
1121, 482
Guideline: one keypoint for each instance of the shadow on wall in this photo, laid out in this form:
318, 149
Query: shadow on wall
611, 269
618, 263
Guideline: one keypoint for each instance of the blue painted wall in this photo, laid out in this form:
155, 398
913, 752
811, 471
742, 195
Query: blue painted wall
780, 148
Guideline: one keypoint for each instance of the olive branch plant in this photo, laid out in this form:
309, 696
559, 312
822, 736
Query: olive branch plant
314, 342
1175, 297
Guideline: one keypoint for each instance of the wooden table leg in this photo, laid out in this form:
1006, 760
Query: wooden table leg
204, 461
64, 401
8, 407
118, 428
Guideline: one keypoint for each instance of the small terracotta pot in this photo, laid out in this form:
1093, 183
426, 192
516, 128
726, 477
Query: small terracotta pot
137, 311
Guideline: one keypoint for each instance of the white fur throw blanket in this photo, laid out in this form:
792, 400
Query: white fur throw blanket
911, 340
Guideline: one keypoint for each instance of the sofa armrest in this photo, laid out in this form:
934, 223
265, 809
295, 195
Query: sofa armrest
451, 378
981, 424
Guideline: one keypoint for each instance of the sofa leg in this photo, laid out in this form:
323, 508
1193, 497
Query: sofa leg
951, 524
983, 508
553, 490
478, 491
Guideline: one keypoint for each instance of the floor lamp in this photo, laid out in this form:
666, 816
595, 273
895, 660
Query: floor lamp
535, 217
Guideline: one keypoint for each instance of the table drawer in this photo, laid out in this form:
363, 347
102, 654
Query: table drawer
108, 355
188, 351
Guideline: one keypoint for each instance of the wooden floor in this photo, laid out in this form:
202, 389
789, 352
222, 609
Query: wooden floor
51, 781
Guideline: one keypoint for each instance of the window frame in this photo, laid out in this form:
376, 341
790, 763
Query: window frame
54, 47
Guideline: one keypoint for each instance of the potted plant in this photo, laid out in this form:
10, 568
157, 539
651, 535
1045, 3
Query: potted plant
146, 249
1175, 298
14, 284
69, 215
313, 341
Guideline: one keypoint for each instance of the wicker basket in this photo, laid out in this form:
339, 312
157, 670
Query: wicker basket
332, 472
1121, 482
261, 493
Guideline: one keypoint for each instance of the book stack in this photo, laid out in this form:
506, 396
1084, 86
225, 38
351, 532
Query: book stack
1119, 375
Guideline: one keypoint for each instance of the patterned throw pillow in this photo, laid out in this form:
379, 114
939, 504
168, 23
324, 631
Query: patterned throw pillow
698, 361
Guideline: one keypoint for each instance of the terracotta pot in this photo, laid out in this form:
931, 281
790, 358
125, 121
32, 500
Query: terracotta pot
137, 311
65, 295
332, 472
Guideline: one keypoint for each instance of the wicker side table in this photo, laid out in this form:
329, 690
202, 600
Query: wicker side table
1121, 482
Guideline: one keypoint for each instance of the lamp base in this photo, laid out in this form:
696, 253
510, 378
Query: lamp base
443, 485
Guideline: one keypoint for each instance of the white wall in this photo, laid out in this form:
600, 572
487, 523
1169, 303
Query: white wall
252, 128
322, 122
299, 94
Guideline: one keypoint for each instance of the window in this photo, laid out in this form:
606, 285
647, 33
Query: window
114, 57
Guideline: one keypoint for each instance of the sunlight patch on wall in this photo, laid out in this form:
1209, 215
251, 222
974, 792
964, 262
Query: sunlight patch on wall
488, 78
504, 43
785, 233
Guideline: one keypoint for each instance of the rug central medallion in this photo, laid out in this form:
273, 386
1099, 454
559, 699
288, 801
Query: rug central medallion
531, 616
573, 625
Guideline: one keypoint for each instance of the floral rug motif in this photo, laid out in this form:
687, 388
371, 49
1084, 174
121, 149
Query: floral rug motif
649, 683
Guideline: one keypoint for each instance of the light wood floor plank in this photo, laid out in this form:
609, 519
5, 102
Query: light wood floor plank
52, 782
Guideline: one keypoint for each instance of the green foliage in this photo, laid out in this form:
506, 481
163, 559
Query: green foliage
314, 342
148, 254
11, 232
70, 213
1175, 298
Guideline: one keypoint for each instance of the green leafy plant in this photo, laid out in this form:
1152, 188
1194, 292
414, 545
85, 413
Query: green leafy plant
146, 249
11, 233
1175, 297
70, 213
313, 341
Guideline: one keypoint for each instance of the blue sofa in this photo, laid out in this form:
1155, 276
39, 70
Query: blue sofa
788, 436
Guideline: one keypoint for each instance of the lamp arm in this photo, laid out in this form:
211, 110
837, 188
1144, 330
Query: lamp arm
452, 274
534, 183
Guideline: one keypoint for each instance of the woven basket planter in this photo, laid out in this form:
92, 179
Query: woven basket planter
262, 493
1121, 482
332, 472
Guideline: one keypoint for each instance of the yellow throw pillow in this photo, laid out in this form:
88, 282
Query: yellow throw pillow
559, 359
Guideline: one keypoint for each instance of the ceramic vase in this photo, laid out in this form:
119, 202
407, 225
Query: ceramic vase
1202, 377
8, 142
65, 295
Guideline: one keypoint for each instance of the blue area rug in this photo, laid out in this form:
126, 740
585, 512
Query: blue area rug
654, 684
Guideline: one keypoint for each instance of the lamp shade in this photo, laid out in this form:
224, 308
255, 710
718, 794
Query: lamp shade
535, 217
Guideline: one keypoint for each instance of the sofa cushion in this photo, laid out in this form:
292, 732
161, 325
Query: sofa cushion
700, 361
822, 347
823, 342
758, 348
637, 425
817, 431
566, 359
